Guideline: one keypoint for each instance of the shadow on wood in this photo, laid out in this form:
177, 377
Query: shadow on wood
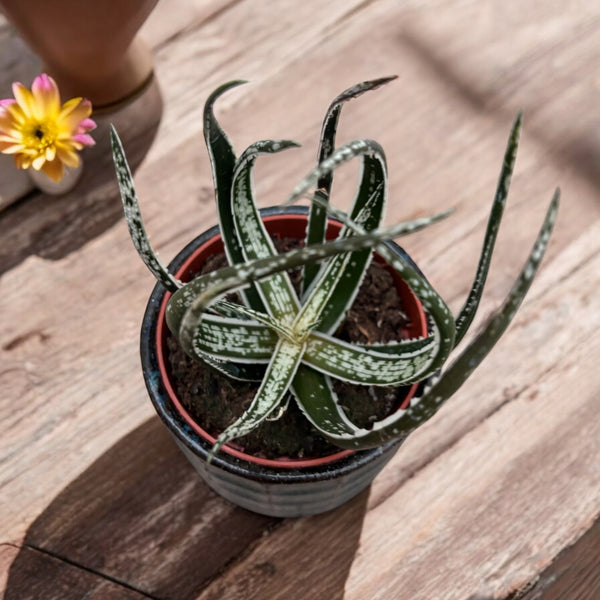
54, 226
579, 147
140, 518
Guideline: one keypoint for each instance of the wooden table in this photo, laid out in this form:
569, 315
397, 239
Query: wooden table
499, 495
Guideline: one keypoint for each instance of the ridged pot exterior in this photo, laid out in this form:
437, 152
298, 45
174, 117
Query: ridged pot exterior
284, 491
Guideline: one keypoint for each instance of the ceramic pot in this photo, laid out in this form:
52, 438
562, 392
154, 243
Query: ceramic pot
90, 48
283, 487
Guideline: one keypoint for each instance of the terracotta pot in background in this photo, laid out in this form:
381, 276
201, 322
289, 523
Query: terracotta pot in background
90, 48
278, 487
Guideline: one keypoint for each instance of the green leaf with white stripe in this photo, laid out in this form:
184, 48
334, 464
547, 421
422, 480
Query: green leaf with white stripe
443, 320
222, 161
233, 340
133, 217
365, 365
469, 309
277, 380
348, 271
277, 292
317, 216
187, 306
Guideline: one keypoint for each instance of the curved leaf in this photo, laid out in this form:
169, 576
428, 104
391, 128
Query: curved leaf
367, 211
443, 320
277, 380
133, 217
186, 307
277, 292
364, 365
233, 340
469, 309
403, 422
317, 216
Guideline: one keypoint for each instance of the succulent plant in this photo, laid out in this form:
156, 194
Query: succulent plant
287, 340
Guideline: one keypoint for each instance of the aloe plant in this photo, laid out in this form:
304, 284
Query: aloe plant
287, 340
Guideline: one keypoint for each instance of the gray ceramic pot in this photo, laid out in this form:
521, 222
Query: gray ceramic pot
282, 488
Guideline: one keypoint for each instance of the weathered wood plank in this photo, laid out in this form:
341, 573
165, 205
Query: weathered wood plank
141, 514
32, 575
573, 575
72, 297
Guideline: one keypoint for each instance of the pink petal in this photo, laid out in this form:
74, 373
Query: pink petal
85, 139
7, 124
46, 96
7, 101
86, 125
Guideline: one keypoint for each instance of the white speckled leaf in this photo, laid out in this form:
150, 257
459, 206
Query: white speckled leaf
317, 216
277, 380
467, 313
133, 216
363, 365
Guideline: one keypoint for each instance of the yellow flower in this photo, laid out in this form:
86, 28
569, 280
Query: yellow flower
40, 132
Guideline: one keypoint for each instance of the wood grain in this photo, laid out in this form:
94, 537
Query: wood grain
141, 514
573, 574
36, 575
478, 503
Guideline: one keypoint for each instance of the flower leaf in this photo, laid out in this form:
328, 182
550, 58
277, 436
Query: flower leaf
403, 422
222, 162
186, 307
319, 403
348, 271
233, 340
443, 320
409, 360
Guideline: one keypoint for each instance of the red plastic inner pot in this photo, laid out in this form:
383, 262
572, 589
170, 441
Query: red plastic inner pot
285, 225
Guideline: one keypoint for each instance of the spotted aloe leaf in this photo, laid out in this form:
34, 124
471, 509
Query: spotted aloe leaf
223, 160
133, 217
469, 309
317, 216
367, 211
443, 320
277, 292
277, 380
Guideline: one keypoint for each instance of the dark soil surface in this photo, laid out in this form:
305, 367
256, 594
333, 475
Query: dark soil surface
215, 401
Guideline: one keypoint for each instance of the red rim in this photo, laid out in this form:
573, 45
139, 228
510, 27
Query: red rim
289, 225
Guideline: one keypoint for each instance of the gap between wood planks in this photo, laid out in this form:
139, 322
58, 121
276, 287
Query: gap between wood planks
81, 567
573, 572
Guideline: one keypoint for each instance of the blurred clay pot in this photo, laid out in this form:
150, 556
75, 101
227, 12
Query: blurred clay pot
91, 49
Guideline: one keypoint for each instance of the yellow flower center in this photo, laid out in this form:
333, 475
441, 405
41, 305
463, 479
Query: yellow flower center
40, 136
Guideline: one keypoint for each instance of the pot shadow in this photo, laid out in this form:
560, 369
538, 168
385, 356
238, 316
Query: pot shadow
54, 226
141, 521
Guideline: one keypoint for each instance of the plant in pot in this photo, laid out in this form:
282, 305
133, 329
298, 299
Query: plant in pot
259, 349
